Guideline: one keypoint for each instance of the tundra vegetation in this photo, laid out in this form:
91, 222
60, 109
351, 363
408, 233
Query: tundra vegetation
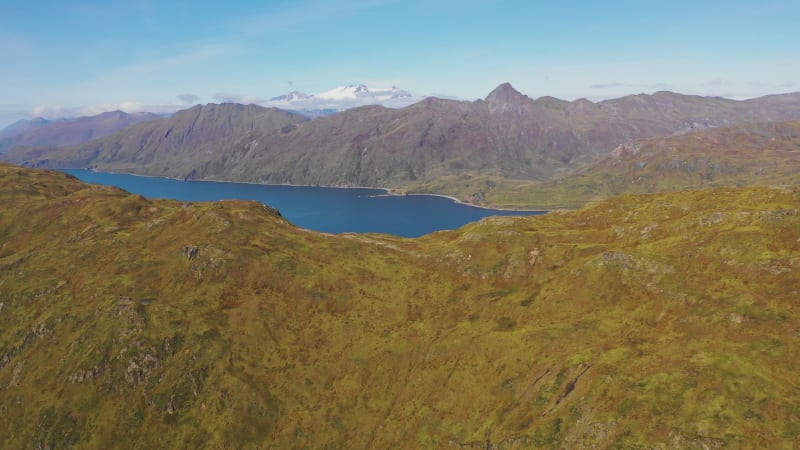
644, 321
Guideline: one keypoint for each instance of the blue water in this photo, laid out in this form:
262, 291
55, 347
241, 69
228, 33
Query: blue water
332, 210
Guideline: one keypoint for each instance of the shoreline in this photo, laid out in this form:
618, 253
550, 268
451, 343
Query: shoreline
456, 200
211, 180
388, 192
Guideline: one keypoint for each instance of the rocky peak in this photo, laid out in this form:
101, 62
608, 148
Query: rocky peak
505, 94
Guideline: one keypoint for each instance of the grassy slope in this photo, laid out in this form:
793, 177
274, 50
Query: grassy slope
748, 155
640, 321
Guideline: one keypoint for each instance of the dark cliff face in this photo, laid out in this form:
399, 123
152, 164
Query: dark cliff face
507, 135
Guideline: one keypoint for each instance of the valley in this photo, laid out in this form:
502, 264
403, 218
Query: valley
373, 224
506, 151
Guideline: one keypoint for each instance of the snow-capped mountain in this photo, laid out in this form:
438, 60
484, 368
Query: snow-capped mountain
352, 92
344, 97
293, 96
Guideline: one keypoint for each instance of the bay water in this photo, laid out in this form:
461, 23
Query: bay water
331, 210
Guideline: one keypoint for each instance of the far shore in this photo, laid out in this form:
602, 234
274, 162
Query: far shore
387, 191
462, 202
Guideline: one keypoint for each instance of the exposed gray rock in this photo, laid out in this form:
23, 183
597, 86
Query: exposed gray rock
15, 373
84, 375
190, 252
617, 258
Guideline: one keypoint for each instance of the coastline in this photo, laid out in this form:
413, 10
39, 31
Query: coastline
211, 180
456, 200
387, 191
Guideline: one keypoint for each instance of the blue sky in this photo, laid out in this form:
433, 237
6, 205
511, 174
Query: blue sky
66, 58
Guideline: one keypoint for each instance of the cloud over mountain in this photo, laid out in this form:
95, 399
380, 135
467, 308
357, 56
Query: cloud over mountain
68, 112
188, 98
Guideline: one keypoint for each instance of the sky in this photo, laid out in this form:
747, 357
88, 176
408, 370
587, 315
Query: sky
68, 58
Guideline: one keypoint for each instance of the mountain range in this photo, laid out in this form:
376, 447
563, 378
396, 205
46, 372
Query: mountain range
748, 154
185, 139
743, 155
650, 321
43, 132
498, 148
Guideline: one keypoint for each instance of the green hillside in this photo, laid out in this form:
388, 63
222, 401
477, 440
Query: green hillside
650, 321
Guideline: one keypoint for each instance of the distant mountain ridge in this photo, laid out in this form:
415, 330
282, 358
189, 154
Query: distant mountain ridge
24, 125
190, 137
43, 132
507, 136
749, 154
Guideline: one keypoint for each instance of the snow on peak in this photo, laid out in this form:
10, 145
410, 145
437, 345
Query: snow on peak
291, 97
361, 91
344, 97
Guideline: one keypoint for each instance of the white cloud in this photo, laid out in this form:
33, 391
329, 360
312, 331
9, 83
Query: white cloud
147, 85
58, 112
188, 99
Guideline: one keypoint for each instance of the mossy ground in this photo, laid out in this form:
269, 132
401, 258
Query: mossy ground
655, 321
